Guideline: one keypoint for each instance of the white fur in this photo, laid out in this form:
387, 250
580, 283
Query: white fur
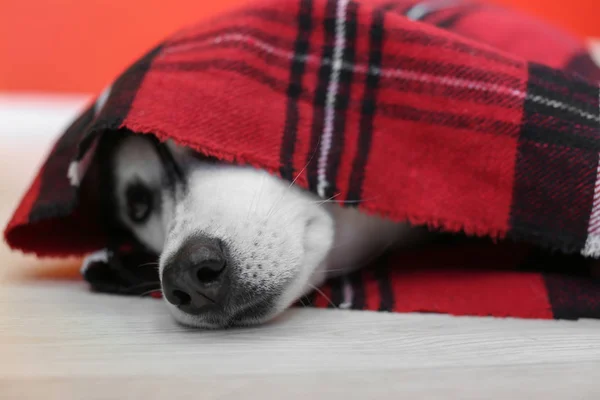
277, 233
135, 158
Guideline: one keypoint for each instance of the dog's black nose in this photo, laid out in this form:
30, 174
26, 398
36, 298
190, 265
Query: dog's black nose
195, 278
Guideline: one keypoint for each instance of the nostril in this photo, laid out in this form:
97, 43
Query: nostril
209, 273
181, 297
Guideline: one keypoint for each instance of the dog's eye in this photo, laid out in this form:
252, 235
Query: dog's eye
139, 202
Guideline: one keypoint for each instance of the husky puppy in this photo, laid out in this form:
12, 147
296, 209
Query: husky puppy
237, 245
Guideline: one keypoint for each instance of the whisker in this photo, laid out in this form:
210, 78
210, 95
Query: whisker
330, 200
150, 285
260, 191
284, 207
251, 207
340, 270
322, 294
327, 200
341, 201
285, 193
149, 292
148, 264
302, 301
295, 179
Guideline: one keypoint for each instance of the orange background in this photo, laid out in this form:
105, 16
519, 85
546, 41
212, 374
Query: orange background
80, 45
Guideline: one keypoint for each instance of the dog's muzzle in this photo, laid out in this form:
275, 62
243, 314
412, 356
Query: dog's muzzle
196, 279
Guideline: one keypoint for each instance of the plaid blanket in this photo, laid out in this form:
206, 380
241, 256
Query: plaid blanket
458, 115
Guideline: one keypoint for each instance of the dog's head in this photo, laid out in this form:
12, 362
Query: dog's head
237, 245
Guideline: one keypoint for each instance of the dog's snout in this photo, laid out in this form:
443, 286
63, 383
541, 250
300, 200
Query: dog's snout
196, 277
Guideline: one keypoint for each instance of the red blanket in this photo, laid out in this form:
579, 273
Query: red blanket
461, 116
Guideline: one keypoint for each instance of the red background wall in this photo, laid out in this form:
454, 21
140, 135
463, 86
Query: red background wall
80, 45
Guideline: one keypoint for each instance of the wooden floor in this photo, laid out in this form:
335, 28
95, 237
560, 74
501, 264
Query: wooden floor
59, 341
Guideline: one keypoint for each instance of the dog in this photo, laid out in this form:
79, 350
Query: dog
237, 246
